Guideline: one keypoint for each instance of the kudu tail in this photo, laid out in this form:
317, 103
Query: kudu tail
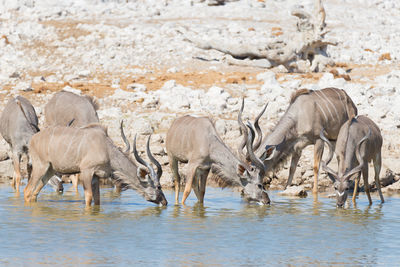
26, 117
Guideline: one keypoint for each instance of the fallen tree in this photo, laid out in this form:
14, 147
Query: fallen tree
301, 51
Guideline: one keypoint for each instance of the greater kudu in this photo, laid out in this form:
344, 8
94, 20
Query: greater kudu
18, 123
89, 151
69, 109
359, 142
195, 141
309, 112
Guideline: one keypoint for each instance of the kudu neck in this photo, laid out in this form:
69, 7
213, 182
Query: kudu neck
121, 164
225, 160
284, 132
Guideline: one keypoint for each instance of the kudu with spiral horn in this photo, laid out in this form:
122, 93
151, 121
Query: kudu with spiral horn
244, 132
194, 140
154, 177
91, 152
359, 141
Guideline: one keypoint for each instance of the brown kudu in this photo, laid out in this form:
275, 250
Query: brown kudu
89, 151
69, 109
18, 123
195, 141
359, 142
309, 112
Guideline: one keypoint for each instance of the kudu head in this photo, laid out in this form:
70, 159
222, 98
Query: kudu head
341, 183
252, 175
148, 178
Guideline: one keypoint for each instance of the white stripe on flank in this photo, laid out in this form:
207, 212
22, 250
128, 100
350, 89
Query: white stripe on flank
69, 145
323, 113
341, 100
80, 144
324, 102
51, 138
330, 102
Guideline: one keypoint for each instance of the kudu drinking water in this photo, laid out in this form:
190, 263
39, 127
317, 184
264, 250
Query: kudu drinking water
89, 151
18, 123
69, 109
309, 112
359, 142
195, 141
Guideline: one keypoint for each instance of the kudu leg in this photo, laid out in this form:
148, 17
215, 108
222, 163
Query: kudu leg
203, 183
318, 151
173, 163
28, 166
356, 182
74, 180
96, 190
17, 171
366, 185
196, 184
40, 176
86, 178
188, 187
293, 165
377, 170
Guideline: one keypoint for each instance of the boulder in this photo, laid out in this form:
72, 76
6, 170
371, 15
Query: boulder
6, 169
294, 191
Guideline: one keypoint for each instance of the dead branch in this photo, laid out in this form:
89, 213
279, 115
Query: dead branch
302, 52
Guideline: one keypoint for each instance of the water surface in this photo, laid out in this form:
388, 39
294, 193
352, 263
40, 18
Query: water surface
126, 230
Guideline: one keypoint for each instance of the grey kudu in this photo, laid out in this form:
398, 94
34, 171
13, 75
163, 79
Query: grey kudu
69, 109
359, 142
309, 111
89, 151
18, 123
194, 140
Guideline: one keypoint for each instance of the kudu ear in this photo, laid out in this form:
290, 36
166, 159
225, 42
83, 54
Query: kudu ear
332, 177
240, 169
268, 153
141, 173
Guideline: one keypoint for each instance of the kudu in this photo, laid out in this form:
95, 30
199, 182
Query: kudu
194, 140
69, 109
309, 112
89, 151
359, 142
18, 123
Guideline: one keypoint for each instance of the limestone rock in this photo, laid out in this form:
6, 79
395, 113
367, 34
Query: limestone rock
294, 191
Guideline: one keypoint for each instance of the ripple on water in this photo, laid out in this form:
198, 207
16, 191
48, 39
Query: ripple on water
126, 230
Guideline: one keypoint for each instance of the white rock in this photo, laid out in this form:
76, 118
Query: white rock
72, 90
295, 191
137, 87
142, 126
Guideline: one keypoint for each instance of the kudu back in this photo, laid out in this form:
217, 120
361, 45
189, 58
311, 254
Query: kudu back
359, 142
69, 109
194, 140
18, 123
89, 151
309, 112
